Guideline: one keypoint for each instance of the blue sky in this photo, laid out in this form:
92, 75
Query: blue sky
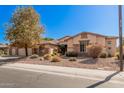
64, 20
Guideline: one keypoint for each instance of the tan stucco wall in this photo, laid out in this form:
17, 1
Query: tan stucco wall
96, 39
93, 40
100, 40
70, 45
76, 40
112, 51
77, 47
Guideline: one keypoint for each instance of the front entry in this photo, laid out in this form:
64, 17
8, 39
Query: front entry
63, 48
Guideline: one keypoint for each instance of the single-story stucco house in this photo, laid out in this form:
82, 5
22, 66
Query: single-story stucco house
76, 43
79, 42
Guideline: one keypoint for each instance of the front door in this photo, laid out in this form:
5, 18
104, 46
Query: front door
63, 49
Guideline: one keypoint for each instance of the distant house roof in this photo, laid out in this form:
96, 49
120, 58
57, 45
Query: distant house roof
93, 34
3, 45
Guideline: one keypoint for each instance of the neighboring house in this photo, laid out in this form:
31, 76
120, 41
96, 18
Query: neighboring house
79, 42
5, 48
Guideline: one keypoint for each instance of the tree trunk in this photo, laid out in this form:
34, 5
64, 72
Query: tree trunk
26, 50
17, 53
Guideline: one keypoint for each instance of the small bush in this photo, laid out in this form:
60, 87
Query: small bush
2, 53
34, 56
109, 55
72, 54
118, 56
94, 50
41, 58
47, 57
103, 55
54, 54
72, 59
55, 59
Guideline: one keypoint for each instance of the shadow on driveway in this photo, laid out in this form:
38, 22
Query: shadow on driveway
103, 81
6, 60
89, 61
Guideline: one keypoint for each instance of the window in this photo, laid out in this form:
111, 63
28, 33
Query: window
109, 43
83, 45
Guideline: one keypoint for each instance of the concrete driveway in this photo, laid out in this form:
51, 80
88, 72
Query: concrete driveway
8, 59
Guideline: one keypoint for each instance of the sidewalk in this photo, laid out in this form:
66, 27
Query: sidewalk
68, 71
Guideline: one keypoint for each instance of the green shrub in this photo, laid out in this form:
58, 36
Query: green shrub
34, 56
94, 50
72, 54
2, 52
103, 55
55, 59
72, 59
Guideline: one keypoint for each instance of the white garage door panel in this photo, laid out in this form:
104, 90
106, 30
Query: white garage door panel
29, 51
21, 52
13, 51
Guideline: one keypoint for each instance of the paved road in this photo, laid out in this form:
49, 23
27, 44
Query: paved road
24, 79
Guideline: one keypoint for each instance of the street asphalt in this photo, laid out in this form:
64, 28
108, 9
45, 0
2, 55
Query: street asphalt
41, 76
16, 78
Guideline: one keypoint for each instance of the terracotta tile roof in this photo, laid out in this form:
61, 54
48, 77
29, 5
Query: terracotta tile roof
53, 42
64, 37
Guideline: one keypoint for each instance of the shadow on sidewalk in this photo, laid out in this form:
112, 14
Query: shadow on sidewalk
103, 81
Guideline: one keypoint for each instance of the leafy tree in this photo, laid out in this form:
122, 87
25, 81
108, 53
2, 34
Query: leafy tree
24, 29
47, 39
